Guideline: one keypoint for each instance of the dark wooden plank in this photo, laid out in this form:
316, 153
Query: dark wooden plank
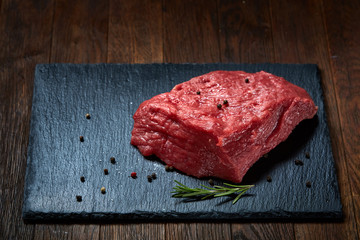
300, 37
191, 31
80, 31
179, 231
25, 40
133, 231
135, 31
245, 31
246, 36
264, 231
58, 231
342, 23
79, 35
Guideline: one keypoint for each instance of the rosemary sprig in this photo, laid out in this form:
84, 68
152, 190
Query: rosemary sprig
183, 191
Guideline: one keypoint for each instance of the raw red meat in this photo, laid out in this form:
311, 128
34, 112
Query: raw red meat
192, 129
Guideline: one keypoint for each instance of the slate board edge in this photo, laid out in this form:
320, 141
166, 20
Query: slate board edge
35, 217
25, 209
28, 215
336, 183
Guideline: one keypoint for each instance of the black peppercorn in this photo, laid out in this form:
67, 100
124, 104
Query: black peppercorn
81, 138
225, 102
169, 168
307, 155
219, 106
246, 80
268, 178
112, 160
82, 179
308, 184
79, 198
298, 162
106, 171
149, 178
198, 92
211, 182
153, 175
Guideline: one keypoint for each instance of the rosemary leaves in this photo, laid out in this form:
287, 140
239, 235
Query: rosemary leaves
183, 191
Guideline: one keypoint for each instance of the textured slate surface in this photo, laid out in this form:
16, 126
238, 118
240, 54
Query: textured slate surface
111, 93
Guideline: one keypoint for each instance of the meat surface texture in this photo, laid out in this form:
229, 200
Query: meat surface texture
220, 123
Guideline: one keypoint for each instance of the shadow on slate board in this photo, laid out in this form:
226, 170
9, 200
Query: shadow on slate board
111, 93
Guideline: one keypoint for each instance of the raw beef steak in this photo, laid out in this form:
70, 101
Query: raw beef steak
219, 124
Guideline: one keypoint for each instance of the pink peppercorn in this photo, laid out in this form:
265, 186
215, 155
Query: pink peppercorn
133, 175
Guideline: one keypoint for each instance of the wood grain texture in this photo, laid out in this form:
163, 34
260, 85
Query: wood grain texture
210, 231
342, 20
245, 31
263, 231
80, 30
150, 231
135, 31
190, 31
299, 36
58, 231
25, 34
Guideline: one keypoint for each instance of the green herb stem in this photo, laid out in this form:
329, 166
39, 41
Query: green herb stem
183, 191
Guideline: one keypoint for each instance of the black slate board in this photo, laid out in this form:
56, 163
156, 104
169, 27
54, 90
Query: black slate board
111, 93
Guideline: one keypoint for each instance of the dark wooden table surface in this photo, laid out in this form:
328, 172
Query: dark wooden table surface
324, 32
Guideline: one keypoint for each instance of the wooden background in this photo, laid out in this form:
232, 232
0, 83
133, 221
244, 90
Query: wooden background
324, 32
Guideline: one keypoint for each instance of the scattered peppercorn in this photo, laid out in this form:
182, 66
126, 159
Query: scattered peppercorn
78, 198
169, 168
268, 178
153, 175
133, 175
198, 92
103, 190
219, 106
106, 171
211, 182
308, 184
298, 162
81, 138
112, 160
87, 116
307, 155
246, 80
225, 102
149, 178
82, 179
